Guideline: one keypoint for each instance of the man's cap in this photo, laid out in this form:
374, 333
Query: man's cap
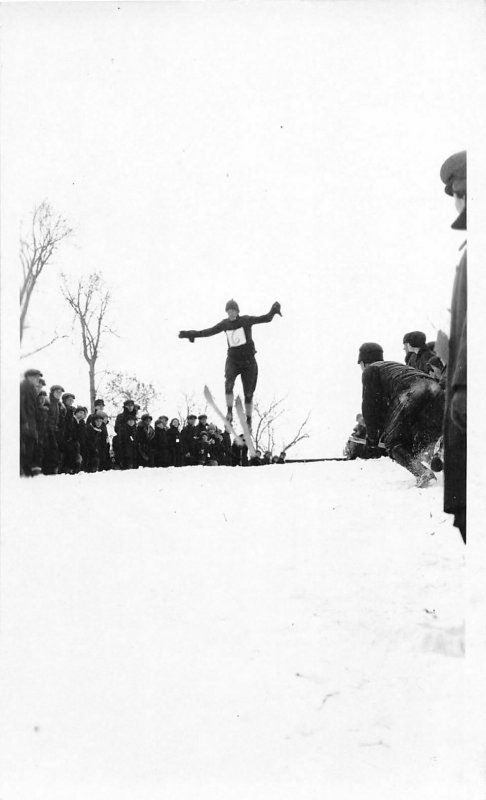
202, 416
100, 415
370, 352
192, 416
415, 339
232, 304
66, 395
78, 409
42, 393
57, 388
453, 173
128, 403
99, 402
162, 418
146, 417
33, 373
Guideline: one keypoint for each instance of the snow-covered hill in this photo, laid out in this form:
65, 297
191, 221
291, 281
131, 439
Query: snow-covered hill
283, 632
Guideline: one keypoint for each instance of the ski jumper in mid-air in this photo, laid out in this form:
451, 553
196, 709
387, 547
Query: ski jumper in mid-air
240, 359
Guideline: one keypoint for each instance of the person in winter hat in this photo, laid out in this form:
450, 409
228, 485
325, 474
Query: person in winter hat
453, 174
53, 433
402, 408
29, 389
240, 359
145, 441
175, 444
418, 354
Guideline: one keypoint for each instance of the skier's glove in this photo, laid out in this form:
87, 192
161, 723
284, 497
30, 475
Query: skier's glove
187, 335
275, 309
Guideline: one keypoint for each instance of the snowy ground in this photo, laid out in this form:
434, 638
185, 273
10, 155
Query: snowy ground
278, 632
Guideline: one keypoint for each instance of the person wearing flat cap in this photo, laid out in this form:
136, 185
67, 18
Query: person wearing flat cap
240, 359
402, 409
453, 174
29, 388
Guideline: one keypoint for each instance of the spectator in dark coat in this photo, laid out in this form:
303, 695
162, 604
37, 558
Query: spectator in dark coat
189, 437
66, 427
256, 460
94, 442
80, 438
401, 406
129, 410
51, 449
42, 413
28, 419
127, 448
239, 454
161, 442
202, 423
175, 444
145, 441
454, 174
418, 354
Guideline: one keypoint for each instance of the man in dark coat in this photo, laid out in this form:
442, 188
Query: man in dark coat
240, 359
28, 419
145, 441
53, 434
66, 426
454, 174
80, 438
161, 442
418, 354
402, 407
129, 410
189, 436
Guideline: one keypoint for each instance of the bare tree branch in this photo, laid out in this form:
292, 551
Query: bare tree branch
46, 233
89, 301
38, 349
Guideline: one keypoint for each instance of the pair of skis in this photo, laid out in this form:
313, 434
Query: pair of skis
229, 427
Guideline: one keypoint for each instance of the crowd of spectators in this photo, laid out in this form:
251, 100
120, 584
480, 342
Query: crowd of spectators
59, 437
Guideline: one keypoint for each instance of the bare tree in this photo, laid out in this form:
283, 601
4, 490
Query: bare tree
299, 436
121, 386
264, 434
37, 248
89, 301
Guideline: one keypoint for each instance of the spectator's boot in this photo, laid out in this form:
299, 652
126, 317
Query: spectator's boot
423, 475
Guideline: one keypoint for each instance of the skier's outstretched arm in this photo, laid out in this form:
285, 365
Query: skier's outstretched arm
275, 309
191, 335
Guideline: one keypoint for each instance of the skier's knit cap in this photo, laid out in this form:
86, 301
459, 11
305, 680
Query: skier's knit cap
232, 304
100, 415
453, 173
33, 373
57, 388
370, 352
66, 395
415, 339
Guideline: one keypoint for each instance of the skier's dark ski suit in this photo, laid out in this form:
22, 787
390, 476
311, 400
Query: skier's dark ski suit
240, 358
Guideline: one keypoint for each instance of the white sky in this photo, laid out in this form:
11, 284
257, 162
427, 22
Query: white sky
278, 151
